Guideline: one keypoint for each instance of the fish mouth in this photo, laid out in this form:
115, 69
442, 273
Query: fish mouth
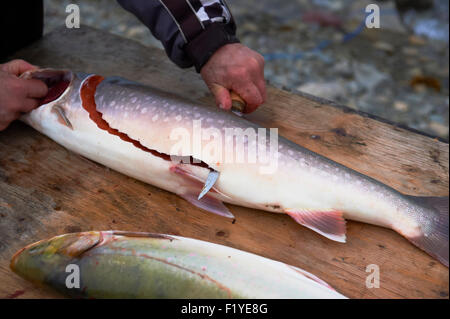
57, 81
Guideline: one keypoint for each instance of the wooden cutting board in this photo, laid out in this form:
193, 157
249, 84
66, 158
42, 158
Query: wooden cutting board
46, 190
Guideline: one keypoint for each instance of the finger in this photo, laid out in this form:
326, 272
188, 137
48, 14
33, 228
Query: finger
259, 77
29, 105
17, 67
251, 96
6, 120
3, 125
261, 85
222, 96
34, 88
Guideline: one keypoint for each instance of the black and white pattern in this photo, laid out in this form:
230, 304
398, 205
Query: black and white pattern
209, 11
190, 30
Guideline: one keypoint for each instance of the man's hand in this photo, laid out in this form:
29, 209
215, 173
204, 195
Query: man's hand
240, 69
18, 95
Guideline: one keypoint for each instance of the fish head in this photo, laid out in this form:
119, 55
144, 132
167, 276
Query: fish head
57, 105
58, 82
45, 261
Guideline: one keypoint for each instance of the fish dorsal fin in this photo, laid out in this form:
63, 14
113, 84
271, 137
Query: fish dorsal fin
330, 224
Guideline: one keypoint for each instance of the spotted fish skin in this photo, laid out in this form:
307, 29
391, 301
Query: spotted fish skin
116, 264
316, 191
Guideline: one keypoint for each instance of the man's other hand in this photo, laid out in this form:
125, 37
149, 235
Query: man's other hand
18, 96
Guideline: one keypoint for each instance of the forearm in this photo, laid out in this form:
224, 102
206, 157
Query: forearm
190, 31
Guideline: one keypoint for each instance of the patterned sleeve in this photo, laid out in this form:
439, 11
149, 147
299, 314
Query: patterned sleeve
209, 11
190, 30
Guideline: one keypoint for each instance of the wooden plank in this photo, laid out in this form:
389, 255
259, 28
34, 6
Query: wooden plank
46, 190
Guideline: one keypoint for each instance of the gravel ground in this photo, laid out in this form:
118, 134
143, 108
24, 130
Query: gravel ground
398, 72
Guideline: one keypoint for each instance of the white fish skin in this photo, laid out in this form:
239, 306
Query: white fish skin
317, 192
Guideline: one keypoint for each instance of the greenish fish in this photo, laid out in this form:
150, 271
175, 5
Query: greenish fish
117, 264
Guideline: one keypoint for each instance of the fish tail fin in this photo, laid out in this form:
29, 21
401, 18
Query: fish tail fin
434, 238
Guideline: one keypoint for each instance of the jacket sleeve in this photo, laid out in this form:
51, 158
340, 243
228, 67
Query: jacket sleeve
190, 30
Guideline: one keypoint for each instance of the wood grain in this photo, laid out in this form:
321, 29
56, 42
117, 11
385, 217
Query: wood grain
46, 190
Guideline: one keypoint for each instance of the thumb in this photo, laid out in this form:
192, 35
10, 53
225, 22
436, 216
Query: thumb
222, 95
17, 67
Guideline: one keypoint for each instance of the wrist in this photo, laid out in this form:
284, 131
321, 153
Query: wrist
202, 47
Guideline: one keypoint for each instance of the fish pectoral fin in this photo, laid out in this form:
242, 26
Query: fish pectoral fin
62, 116
209, 204
193, 184
330, 224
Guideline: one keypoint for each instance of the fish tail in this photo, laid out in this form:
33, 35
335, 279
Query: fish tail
434, 235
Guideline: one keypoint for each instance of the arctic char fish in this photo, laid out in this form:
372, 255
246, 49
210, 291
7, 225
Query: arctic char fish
141, 132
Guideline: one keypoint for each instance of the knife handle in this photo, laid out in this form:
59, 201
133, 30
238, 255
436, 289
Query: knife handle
237, 103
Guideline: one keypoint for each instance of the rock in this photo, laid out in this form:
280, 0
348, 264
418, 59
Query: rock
249, 26
439, 129
338, 37
416, 40
384, 46
420, 88
425, 110
333, 5
343, 68
352, 104
432, 29
410, 51
410, 61
383, 99
401, 106
355, 87
299, 64
437, 118
328, 90
134, 31
368, 76
121, 27
424, 59
415, 72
